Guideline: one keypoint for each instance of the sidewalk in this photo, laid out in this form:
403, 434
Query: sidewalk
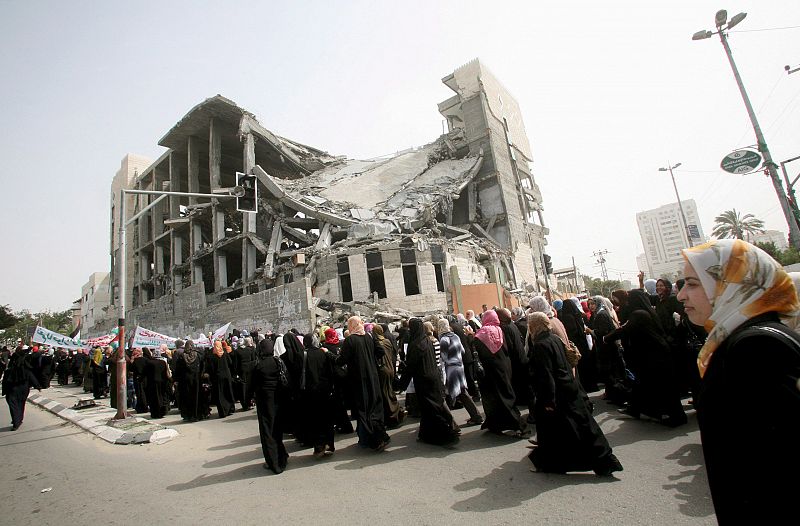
60, 400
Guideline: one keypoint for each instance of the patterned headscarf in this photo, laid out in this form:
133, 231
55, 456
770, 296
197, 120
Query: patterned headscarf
538, 322
490, 333
741, 281
355, 325
331, 336
539, 304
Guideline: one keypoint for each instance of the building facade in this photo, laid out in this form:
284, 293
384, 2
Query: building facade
664, 235
410, 233
95, 302
780, 239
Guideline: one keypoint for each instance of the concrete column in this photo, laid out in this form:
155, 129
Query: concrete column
159, 259
193, 160
214, 153
248, 220
222, 271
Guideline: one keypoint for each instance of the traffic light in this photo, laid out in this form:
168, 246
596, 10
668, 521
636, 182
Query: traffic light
249, 201
548, 265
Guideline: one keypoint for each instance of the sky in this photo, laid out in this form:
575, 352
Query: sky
609, 91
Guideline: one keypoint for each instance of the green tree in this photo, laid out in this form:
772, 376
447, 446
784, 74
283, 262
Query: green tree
7, 318
597, 286
26, 323
790, 256
770, 248
731, 224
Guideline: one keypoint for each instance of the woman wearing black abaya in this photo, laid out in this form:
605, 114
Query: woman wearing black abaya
496, 391
17, 382
157, 382
610, 363
293, 358
358, 353
341, 394
244, 357
436, 425
99, 374
515, 347
568, 437
219, 365
265, 378
393, 414
139, 380
188, 370
573, 319
316, 392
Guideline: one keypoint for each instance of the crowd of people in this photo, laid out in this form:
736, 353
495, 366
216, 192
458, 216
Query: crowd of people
722, 337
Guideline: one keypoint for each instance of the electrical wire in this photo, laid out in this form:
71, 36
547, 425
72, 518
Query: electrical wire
764, 29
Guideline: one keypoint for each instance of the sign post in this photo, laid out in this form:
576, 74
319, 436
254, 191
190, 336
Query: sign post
743, 161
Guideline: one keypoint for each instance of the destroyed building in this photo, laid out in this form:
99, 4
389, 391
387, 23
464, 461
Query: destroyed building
443, 227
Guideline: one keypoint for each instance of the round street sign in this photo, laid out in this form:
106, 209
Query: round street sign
741, 161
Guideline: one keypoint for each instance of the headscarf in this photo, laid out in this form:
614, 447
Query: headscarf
97, 356
793, 321
331, 336
235, 342
218, 350
416, 331
189, 352
741, 281
604, 304
265, 349
650, 286
355, 325
248, 341
367, 328
279, 348
311, 340
443, 326
539, 304
490, 333
557, 304
538, 322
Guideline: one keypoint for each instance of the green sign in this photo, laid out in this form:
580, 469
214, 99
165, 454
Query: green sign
741, 162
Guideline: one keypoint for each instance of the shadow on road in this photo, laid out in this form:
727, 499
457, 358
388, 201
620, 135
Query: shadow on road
691, 484
512, 483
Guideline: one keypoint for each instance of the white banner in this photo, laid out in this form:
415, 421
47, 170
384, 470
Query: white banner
144, 338
202, 341
54, 339
220, 333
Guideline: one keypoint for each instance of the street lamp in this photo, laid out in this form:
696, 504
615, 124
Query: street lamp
722, 23
680, 205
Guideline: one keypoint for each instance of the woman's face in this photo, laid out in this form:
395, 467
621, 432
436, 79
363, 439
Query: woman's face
661, 289
592, 305
698, 307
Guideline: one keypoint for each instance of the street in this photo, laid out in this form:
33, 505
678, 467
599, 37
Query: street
213, 471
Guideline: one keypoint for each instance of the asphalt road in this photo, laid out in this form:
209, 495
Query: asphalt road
213, 472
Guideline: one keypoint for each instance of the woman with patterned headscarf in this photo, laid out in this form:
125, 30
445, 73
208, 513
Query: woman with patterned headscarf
568, 437
99, 374
610, 364
496, 392
748, 407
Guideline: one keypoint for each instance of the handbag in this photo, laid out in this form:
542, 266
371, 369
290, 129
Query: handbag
283, 375
572, 352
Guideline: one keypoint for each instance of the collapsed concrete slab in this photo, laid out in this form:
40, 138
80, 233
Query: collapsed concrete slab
401, 234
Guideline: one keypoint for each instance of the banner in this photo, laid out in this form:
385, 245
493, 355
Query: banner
220, 333
144, 338
100, 341
54, 339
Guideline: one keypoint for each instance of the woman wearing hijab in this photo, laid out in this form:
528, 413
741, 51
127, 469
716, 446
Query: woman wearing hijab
573, 320
157, 381
341, 396
496, 391
654, 390
436, 425
17, 382
568, 437
515, 348
748, 407
610, 364
393, 414
99, 374
316, 390
219, 367
139, 380
265, 378
456, 383
358, 354
244, 359
189, 369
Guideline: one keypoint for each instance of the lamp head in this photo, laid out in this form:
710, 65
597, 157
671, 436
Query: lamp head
721, 17
736, 19
701, 35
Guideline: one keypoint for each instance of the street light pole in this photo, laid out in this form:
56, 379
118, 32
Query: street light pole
669, 169
770, 166
122, 398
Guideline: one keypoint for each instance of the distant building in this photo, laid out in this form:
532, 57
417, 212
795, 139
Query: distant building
570, 280
131, 167
641, 263
95, 300
664, 235
771, 236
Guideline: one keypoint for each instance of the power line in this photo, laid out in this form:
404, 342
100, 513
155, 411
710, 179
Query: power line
764, 29
602, 262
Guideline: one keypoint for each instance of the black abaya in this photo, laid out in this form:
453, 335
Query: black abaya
219, 372
497, 393
155, 371
568, 437
265, 386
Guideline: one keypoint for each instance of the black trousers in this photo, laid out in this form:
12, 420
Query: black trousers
16, 396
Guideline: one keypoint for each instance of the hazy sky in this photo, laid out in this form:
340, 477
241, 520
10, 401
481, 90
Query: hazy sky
609, 92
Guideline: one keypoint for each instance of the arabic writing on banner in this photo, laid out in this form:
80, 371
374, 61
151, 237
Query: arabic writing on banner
100, 341
48, 337
145, 338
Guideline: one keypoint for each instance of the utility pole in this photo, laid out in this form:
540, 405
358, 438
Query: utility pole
669, 168
722, 23
602, 262
575, 274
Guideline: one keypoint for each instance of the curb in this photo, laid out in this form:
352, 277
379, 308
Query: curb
95, 420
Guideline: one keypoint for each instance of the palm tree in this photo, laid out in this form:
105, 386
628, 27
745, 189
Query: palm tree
731, 224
